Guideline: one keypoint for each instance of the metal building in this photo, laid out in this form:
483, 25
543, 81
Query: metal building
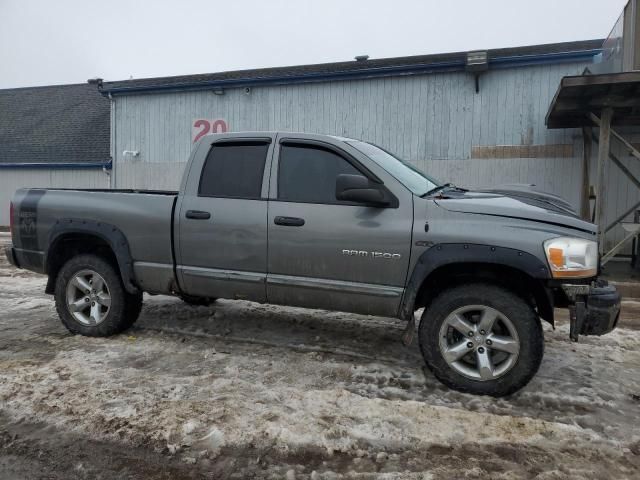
474, 119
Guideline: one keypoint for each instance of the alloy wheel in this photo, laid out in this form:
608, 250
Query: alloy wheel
88, 297
479, 342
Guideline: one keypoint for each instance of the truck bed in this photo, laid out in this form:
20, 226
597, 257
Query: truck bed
144, 217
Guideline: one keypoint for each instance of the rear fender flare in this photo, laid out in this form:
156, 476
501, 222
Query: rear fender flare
110, 234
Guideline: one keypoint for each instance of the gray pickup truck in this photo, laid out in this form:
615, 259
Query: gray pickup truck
333, 223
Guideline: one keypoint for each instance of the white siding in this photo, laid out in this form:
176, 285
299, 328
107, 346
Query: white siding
431, 120
15, 178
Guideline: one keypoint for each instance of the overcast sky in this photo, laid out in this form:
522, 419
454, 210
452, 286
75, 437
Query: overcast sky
46, 42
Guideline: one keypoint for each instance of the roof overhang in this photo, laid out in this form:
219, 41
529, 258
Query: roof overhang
583, 51
579, 96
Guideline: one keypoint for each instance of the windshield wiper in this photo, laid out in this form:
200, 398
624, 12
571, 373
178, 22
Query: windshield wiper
441, 188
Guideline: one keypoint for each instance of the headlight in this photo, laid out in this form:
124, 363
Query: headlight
572, 257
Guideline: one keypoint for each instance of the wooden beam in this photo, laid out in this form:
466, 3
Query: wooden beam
585, 207
603, 155
631, 177
629, 211
621, 166
632, 150
611, 253
522, 151
585, 104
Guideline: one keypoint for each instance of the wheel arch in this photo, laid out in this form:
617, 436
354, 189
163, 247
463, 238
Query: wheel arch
446, 265
73, 236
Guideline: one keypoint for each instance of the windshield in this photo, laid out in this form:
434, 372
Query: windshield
412, 178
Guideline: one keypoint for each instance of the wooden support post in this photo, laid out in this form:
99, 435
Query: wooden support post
630, 148
585, 207
603, 155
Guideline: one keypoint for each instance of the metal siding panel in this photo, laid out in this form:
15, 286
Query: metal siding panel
426, 119
13, 179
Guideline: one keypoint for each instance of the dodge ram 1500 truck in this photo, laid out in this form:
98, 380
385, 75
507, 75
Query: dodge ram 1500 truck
332, 223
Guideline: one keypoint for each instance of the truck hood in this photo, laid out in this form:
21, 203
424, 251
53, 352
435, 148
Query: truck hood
515, 201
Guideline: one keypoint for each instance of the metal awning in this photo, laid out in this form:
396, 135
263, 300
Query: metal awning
579, 96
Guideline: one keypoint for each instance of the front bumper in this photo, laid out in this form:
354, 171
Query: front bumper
594, 309
11, 256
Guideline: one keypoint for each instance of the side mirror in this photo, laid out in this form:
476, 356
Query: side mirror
359, 189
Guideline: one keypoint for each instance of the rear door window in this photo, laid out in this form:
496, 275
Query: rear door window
234, 170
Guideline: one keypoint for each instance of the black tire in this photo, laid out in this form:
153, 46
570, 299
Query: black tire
521, 315
123, 310
197, 301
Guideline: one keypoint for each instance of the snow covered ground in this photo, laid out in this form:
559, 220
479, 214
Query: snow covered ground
241, 390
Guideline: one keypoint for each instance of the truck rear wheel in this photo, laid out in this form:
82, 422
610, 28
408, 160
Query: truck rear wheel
91, 300
481, 339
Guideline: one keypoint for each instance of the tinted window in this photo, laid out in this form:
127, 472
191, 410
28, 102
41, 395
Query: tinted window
308, 174
234, 170
412, 178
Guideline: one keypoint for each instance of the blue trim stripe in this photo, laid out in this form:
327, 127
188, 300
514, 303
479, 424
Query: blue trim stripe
57, 166
363, 73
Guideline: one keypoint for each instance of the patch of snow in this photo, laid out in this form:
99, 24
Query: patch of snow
205, 379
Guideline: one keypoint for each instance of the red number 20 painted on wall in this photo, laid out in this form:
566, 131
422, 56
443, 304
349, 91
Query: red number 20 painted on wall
202, 127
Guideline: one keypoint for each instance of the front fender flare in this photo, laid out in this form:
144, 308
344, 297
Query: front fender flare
451, 253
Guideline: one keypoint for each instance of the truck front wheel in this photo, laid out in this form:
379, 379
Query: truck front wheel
91, 300
482, 339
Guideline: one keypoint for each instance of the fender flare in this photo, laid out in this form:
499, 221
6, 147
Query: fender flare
110, 234
451, 253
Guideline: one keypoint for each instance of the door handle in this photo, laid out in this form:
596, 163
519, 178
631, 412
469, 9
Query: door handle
198, 215
289, 221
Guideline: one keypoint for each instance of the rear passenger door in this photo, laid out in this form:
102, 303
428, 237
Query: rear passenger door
222, 227
313, 236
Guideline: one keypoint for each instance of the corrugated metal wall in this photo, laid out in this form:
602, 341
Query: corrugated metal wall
13, 178
434, 121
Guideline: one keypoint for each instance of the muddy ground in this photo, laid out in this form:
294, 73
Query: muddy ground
241, 390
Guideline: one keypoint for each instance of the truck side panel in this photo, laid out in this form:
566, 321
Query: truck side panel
143, 218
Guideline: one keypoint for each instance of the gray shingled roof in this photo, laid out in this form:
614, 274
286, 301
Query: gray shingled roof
54, 124
297, 73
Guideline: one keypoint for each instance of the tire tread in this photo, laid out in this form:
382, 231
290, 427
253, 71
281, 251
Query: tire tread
519, 312
125, 307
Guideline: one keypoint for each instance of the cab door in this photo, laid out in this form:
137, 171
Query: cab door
326, 253
222, 220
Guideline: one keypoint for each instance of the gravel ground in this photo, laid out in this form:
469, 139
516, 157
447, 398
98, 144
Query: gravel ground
241, 390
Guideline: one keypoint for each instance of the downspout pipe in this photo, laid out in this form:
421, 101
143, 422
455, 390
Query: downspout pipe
113, 146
